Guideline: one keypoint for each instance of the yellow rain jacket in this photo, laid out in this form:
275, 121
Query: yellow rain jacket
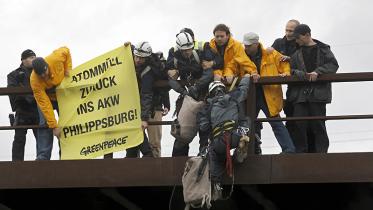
272, 66
236, 62
59, 62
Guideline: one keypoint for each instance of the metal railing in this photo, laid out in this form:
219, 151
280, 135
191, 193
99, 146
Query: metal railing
340, 77
251, 100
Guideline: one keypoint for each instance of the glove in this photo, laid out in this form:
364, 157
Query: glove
183, 93
173, 74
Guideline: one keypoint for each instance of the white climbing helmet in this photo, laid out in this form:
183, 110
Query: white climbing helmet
214, 85
184, 41
143, 49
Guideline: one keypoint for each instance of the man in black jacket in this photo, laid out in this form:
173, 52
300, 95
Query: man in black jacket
145, 63
314, 58
23, 105
161, 107
287, 47
191, 66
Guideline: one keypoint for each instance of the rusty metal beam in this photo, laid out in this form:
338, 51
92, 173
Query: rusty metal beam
340, 77
91, 173
21, 127
160, 122
39, 126
275, 119
14, 91
257, 169
339, 117
322, 168
19, 91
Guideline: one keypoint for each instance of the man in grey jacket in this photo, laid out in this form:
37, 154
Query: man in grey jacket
314, 58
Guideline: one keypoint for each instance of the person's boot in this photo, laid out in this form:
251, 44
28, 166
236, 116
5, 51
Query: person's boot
217, 191
240, 153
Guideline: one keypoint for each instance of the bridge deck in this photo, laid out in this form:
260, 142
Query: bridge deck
263, 169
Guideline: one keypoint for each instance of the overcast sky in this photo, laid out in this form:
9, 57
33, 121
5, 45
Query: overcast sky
90, 28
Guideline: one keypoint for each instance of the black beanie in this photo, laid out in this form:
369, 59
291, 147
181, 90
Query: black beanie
27, 53
39, 65
301, 29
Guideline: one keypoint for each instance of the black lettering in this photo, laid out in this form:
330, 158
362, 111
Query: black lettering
104, 123
92, 72
104, 82
99, 85
117, 61
98, 123
96, 70
65, 131
108, 102
112, 62
100, 104
117, 119
101, 68
131, 115
83, 94
112, 81
91, 108
74, 79
123, 115
83, 130
82, 151
86, 75
85, 108
91, 124
110, 121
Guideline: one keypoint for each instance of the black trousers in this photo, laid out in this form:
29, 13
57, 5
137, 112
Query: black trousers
292, 127
182, 149
18, 148
320, 141
144, 147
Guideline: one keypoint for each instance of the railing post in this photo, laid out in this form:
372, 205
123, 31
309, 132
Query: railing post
251, 113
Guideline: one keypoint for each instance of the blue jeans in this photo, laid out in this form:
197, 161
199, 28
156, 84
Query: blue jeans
280, 131
44, 142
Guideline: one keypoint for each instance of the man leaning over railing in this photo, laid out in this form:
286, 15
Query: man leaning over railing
47, 74
269, 97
